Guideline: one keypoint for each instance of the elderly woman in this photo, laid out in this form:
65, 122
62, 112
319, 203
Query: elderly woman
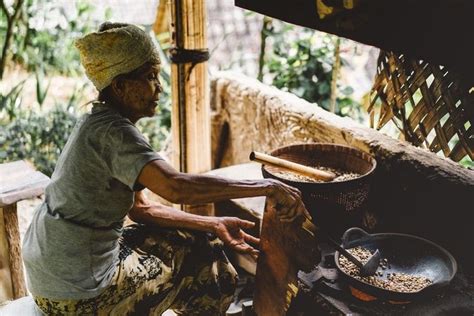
79, 257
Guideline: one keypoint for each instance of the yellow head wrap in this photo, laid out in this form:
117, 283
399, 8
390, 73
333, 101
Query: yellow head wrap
117, 48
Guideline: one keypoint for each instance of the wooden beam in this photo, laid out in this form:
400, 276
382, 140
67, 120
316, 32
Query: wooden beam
14, 246
20, 181
6, 286
190, 120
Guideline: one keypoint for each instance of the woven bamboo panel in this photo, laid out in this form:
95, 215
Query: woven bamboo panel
427, 103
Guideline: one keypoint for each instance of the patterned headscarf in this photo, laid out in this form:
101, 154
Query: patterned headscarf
117, 48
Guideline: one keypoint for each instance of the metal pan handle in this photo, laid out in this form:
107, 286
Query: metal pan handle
353, 233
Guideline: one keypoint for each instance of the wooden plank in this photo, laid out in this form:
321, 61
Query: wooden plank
14, 250
6, 285
20, 181
13, 167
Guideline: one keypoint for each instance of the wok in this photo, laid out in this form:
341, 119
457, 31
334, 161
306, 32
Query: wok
406, 254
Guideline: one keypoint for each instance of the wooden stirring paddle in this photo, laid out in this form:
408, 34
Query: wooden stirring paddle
292, 166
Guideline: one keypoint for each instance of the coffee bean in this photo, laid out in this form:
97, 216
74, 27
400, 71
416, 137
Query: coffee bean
398, 282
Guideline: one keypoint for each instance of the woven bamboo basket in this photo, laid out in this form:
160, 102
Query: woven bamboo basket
335, 206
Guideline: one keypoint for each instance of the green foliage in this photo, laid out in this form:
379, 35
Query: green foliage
44, 36
41, 90
301, 62
467, 162
43, 44
10, 103
157, 128
32, 134
37, 137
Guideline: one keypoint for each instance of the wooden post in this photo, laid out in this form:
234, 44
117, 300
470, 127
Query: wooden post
6, 286
14, 265
19, 181
190, 120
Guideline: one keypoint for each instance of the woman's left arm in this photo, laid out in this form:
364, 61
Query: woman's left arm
228, 229
184, 188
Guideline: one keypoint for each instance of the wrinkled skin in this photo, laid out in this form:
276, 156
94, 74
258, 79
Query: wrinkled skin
138, 97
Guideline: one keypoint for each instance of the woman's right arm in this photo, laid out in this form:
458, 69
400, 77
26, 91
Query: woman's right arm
183, 188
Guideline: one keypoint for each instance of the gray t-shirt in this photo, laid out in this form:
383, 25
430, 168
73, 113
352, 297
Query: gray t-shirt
71, 247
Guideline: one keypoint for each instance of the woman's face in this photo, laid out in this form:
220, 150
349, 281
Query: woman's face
140, 95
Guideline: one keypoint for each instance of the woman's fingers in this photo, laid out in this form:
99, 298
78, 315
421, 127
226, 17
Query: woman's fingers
301, 210
290, 213
251, 239
242, 247
246, 248
293, 206
246, 224
255, 254
295, 212
295, 191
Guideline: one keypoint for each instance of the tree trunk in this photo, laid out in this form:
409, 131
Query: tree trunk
11, 21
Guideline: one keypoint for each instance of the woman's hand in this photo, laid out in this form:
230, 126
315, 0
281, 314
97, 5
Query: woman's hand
229, 230
286, 200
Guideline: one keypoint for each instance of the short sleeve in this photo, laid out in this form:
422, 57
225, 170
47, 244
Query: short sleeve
128, 152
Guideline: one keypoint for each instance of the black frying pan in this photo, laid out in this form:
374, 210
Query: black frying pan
406, 254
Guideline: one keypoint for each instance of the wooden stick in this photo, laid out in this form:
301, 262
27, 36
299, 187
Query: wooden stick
292, 166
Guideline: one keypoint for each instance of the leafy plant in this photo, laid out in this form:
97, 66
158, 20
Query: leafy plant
301, 62
37, 137
33, 134
41, 91
43, 35
76, 95
10, 103
467, 163
39, 134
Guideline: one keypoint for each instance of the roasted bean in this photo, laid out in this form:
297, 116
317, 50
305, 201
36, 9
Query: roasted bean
398, 282
340, 175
